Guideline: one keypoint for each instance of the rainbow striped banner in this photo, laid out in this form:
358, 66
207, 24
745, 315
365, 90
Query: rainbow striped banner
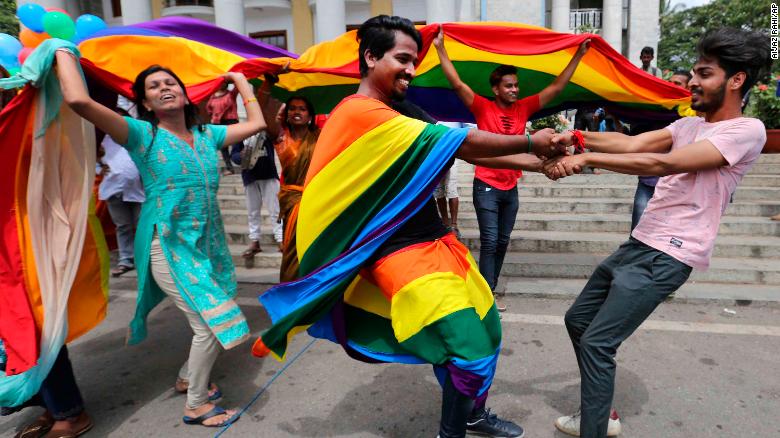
328, 72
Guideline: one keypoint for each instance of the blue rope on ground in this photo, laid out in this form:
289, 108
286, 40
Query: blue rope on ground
267, 384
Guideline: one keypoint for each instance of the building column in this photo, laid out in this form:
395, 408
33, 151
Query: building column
644, 29
560, 16
439, 11
612, 23
379, 7
229, 14
46, 3
302, 26
134, 11
330, 17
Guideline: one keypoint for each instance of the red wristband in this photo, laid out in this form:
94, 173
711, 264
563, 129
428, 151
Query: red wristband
579, 141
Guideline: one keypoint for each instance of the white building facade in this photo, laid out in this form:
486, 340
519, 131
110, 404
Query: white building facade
295, 25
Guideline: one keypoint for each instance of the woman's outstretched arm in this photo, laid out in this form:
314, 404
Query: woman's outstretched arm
76, 96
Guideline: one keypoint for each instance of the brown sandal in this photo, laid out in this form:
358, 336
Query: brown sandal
37, 428
253, 249
70, 434
119, 270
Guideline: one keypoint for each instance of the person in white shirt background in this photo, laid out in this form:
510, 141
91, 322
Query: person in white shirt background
123, 192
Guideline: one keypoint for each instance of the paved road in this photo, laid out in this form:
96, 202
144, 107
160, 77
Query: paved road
692, 371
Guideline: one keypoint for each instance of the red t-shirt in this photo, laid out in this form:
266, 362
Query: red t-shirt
510, 121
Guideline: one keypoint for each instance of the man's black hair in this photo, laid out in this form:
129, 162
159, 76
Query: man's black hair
647, 50
681, 72
377, 35
737, 50
500, 72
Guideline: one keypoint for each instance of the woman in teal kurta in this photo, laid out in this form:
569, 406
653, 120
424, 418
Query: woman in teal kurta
180, 246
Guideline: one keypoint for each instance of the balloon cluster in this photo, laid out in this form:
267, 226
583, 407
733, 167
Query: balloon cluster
40, 24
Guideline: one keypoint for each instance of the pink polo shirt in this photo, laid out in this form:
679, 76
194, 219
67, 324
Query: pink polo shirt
683, 217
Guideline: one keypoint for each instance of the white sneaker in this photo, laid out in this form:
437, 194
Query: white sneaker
570, 424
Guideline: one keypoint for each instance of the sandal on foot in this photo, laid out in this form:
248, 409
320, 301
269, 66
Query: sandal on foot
182, 385
119, 270
69, 433
212, 413
253, 249
36, 429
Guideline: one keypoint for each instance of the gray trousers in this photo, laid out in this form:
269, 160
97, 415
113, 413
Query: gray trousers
125, 217
622, 292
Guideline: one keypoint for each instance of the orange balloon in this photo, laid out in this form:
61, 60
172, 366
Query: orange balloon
32, 39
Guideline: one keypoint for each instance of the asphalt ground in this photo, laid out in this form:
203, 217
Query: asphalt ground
693, 370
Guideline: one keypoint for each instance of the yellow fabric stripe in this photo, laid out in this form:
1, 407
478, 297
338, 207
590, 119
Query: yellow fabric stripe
434, 296
367, 296
350, 174
192, 61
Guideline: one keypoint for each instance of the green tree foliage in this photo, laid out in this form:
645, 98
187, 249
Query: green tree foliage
8, 22
682, 29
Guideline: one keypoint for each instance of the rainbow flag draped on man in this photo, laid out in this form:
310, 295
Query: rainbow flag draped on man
372, 169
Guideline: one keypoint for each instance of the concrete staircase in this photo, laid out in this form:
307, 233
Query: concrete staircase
565, 228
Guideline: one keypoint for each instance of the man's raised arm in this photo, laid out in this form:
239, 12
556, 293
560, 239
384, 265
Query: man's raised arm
464, 92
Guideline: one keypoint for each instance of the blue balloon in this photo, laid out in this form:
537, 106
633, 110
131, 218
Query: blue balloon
31, 15
9, 46
88, 24
9, 62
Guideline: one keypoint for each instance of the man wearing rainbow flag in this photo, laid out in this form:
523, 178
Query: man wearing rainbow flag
700, 160
381, 274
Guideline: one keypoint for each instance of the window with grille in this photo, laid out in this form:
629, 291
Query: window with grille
276, 38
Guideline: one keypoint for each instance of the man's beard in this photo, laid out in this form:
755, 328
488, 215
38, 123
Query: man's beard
713, 104
398, 95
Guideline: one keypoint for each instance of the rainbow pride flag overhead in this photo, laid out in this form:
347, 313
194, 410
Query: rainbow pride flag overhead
328, 72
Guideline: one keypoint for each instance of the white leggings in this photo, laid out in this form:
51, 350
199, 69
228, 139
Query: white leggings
204, 349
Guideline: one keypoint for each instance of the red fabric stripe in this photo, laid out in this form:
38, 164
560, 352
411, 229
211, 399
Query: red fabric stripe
519, 41
17, 326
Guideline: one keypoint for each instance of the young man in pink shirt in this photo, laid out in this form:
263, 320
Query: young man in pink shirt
701, 161
495, 190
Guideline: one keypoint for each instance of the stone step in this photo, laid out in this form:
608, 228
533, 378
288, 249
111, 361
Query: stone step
236, 205
583, 222
730, 270
556, 242
263, 276
623, 191
573, 265
692, 291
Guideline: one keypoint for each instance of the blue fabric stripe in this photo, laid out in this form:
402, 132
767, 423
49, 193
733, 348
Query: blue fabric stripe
286, 298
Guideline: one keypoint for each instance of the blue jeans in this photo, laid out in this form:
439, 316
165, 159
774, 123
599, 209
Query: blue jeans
125, 217
642, 196
496, 213
59, 393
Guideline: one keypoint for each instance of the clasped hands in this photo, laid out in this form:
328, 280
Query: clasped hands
552, 149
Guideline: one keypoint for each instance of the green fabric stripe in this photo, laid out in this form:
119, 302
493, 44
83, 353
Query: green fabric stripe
474, 73
337, 237
275, 338
460, 334
477, 75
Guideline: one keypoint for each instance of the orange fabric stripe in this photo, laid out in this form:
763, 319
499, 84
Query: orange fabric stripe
396, 270
23, 225
341, 129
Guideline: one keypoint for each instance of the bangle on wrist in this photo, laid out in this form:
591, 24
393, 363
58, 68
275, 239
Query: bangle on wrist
530, 143
251, 99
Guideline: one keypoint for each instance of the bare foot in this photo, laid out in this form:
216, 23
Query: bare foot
213, 421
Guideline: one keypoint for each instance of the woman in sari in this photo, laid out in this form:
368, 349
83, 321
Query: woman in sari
296, 134
180, 247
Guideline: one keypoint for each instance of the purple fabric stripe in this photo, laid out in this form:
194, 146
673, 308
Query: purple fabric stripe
466, 382
202, 32
207, 33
